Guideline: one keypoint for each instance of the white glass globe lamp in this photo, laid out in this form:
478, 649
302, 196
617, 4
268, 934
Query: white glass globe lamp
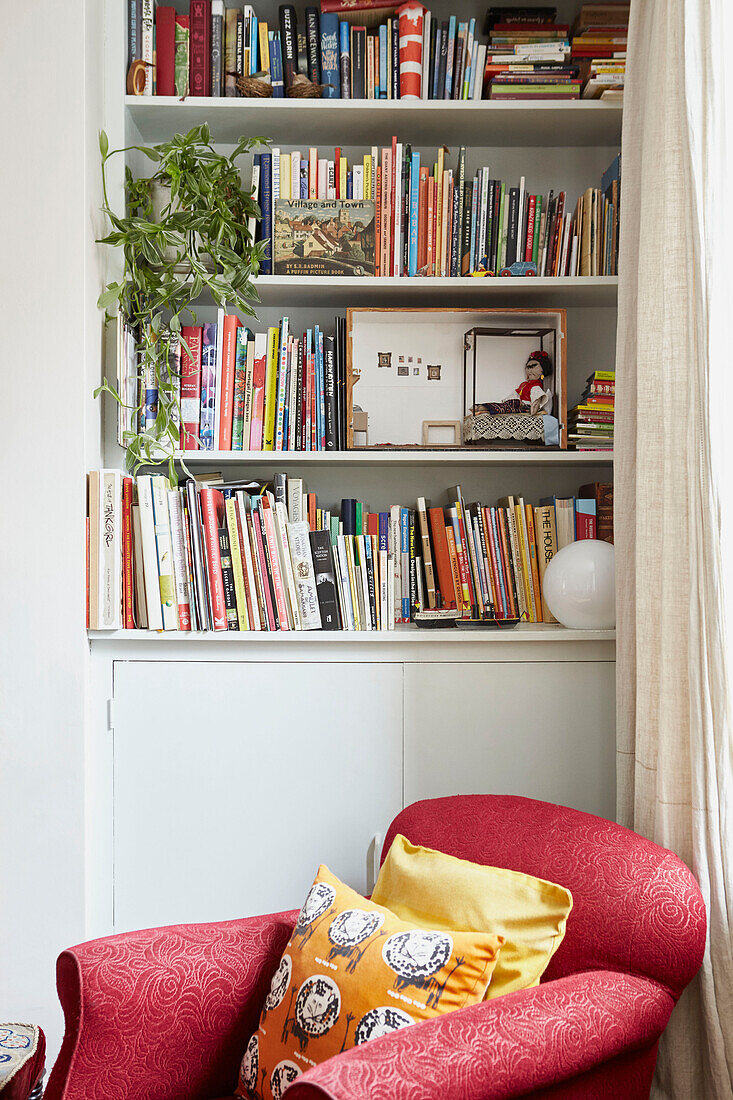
579, 585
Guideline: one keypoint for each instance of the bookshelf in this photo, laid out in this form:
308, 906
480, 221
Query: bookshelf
366, 458
577, 123
175, 680
284, 290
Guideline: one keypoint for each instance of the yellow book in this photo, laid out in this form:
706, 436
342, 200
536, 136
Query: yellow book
285, 186
531, 537
367, 176
349, 541
521, 521
236, 553
264, 48
271, 389
343, 171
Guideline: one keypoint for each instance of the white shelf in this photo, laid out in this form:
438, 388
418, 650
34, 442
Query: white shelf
422, 122
389, 458
525, 633
336, 291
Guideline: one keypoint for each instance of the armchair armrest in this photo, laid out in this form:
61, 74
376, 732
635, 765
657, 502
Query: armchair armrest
503, 1048
166, 1012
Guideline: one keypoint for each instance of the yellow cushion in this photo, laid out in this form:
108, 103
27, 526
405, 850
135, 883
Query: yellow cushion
353, 971
434, 890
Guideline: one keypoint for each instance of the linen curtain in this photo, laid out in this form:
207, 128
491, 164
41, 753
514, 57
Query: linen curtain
674, 556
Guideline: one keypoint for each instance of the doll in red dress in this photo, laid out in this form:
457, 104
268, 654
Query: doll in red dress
530, 396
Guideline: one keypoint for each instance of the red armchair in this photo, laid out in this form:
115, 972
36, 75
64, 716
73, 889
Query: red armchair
165, 1014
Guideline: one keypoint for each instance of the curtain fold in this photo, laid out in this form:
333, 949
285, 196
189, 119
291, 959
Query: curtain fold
672, 451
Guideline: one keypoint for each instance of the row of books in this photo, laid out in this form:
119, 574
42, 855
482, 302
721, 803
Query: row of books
590, 422
238, 390
391, 215
533, 57
409, 56
264, 557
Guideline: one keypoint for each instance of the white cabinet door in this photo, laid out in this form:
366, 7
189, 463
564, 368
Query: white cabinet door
540, 729
233, 781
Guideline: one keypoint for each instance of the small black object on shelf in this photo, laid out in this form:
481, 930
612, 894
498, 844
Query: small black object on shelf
487, 624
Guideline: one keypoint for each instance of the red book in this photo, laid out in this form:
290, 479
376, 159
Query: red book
442, 558
337, 170
228, 363
312, 511
200, 47
190, 387
373, 524
212, 518
530, 227
128, 619
165, 51
585, 524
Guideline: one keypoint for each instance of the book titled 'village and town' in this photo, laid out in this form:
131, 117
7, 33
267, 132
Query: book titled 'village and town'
324, 237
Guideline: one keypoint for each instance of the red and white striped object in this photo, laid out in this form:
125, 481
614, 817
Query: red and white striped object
411, 27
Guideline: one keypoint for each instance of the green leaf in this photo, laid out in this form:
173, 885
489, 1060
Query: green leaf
151, 154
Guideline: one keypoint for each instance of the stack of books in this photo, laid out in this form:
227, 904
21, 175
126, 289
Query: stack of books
238, 390
590, 422
390, 214
268, 557
599, 49
529, 56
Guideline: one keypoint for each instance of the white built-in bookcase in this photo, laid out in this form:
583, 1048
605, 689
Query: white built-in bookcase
531, 711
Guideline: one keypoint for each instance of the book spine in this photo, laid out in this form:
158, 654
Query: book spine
394, 59
263, 573
253, 609
345, 59
164, 551
212, 502
274, 562
313, 33
358, 63
128, 591
165, 50
199, 46
410, 25
330, 60
455, 568
217, 47
305, 581
180, 562
147, 43
288, 43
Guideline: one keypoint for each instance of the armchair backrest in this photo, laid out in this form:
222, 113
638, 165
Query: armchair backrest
636, 907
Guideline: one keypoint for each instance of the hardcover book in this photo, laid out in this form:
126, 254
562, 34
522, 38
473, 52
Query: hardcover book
323, 237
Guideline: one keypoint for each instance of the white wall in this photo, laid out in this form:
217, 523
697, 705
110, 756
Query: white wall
50, 57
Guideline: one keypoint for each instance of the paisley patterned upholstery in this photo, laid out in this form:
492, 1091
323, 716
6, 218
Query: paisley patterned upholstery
164, 1014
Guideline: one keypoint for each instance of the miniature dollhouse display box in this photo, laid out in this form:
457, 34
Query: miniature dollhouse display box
488, 378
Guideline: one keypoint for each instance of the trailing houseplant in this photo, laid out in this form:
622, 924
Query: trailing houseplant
186, 230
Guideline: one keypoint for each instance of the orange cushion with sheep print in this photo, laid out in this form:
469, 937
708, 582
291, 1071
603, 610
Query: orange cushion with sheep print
353, 971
